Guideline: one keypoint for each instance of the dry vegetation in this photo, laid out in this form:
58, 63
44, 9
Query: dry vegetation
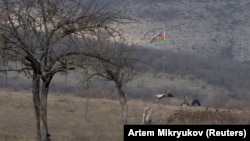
71, 118
218, 83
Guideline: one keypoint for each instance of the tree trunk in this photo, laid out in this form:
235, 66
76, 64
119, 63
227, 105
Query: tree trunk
44, 96
123, 102
36, 102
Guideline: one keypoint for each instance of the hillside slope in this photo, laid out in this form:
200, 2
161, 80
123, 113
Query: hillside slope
75, 118
217, 28
193, 26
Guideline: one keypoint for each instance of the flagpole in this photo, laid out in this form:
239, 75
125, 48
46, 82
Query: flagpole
163, 67
163, 72
155, 39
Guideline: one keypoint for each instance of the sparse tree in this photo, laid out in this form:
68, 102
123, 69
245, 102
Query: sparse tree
41, 36
120, 69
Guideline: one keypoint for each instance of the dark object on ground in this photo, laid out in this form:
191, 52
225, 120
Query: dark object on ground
196, 102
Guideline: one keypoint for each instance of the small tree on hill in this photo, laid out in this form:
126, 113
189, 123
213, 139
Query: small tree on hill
121, 70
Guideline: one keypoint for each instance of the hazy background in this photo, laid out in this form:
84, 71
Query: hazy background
205, 55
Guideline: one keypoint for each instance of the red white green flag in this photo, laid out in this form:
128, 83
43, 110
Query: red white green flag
158, 37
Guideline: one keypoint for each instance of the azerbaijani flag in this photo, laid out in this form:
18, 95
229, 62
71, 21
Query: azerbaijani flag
158, 37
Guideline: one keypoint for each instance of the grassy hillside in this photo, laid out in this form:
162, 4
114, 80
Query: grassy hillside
216, 81
204, 56
194, 26
200, 35
76, 118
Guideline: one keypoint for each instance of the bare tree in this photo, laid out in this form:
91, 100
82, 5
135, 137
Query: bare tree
120, 69
41, 36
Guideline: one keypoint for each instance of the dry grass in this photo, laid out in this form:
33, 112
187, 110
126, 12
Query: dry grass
71, 119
